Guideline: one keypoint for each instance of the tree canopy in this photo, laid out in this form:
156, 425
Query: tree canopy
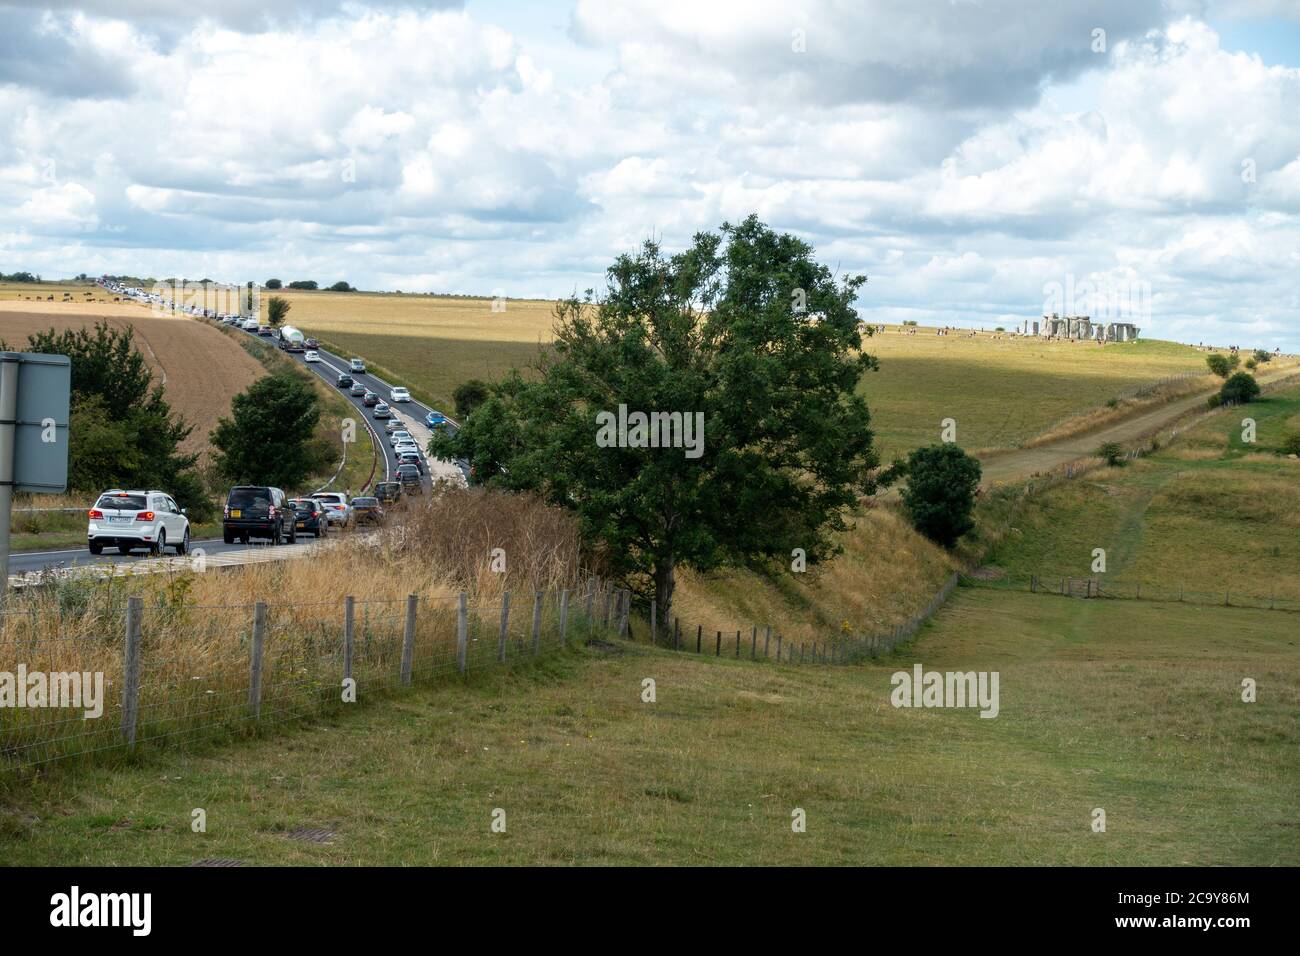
702, 411
123, 432
268, 438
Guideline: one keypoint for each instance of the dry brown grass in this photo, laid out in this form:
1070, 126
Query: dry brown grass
885, 574
196, 624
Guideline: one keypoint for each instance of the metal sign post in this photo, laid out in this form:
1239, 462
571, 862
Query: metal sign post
35, 394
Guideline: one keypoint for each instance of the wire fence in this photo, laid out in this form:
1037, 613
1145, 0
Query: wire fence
115, 676
1098, 587
761, 642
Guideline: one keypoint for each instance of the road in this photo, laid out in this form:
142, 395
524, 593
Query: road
412, 414
214, 552
217, 552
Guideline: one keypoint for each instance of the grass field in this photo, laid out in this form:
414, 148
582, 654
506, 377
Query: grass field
1001, 391
1132, 708
1208, 514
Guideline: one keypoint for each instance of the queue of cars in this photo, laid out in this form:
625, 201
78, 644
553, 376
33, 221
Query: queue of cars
151, 519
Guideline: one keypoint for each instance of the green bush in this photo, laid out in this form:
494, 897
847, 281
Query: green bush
940, 492
1112, 453
1239, 389
1218, 364
1291, 443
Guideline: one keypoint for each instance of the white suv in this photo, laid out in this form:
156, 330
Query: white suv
137, 519
399, 394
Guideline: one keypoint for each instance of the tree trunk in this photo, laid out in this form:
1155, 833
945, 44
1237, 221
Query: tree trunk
665, 584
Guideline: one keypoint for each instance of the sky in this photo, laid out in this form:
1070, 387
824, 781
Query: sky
982, 161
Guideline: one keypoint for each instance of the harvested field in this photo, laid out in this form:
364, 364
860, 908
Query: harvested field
200, 368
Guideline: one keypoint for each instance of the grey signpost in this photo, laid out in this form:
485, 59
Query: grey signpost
35, 394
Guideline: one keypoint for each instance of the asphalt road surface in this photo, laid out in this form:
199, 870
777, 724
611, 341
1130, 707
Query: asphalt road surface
328, 368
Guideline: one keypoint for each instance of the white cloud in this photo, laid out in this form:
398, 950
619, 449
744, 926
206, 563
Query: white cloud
419, 148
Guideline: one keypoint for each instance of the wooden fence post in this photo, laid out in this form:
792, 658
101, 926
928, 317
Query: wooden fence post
591, 598
699, 630
462, 631
255, 666
778, 646
753, 643
349, 616
609, 600
737, 645
767, 640
717, 650
622, 618
408, 638
564, 618
505, 626
131, 668
537, 621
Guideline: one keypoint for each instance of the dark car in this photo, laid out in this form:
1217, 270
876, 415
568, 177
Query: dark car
409, 476
371, 399
367, 511
310, 344
343, 381
388, 491
358, 389
411, 458
311, 516
258, 511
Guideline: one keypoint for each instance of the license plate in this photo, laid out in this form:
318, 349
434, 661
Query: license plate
302, 523
117, 520
236, 513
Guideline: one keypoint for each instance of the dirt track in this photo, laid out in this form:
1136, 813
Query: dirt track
1025, 462
202, 368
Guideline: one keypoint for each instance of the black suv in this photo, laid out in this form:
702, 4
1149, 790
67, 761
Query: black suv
409, 476
257, 511
344, 381
388, 491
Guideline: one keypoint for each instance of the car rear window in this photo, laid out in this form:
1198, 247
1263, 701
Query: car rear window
365, 502
300, 504
407, 470
247, 497
122, 502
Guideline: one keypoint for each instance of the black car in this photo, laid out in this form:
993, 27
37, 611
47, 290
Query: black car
344, 381
310, 516
258, 511
367, 511
409, 476
388, 491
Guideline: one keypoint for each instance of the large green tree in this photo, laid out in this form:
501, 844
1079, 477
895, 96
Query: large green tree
123, 432
268, 438
744, 332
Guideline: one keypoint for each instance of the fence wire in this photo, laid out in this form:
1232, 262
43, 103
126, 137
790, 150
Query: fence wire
115, 674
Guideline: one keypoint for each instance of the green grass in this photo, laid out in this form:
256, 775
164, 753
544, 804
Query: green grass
1208, 515
1131, 707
